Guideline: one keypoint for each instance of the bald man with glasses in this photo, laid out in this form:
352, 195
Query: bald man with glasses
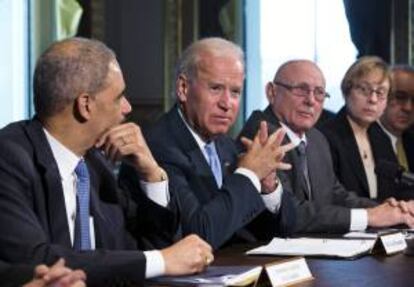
322, 204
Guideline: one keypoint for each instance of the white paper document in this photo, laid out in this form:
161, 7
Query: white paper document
304, 246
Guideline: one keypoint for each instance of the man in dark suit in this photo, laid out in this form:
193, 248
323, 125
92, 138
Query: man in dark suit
216, 193
399, 116
296, 97
58, 195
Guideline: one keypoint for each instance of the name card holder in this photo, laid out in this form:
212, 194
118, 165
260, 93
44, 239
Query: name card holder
285, 273
390, 243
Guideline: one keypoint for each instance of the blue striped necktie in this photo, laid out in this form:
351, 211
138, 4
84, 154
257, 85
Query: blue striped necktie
214, 162
82, 239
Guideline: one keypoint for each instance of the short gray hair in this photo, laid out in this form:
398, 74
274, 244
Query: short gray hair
188, 63
66, 69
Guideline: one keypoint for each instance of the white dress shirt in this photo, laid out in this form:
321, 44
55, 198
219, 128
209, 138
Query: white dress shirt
271, 200
67, 161
359, 216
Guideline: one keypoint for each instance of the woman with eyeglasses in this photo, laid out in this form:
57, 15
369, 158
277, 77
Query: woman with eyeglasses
357, 142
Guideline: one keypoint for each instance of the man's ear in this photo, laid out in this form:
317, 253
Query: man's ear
82, 107
270, 92
181, 88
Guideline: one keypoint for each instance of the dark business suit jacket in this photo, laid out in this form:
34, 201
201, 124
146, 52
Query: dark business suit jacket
408, 142
347, 161
403, 191
15, 275
33, 216
203, 208
328, 210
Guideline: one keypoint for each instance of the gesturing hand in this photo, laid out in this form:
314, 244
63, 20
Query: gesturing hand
265, 153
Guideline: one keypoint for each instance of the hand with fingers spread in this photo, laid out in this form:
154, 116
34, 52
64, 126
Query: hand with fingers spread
126, 142
189, 255
57, 275
265, 153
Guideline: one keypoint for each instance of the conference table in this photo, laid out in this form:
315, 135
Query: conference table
371, 270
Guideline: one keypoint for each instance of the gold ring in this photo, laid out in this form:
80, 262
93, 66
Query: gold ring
208, 260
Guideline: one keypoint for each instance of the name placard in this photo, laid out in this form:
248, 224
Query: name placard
393, 243
289, 272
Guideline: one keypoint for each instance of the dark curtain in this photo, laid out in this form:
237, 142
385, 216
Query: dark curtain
370, 26
85, 25
209, 11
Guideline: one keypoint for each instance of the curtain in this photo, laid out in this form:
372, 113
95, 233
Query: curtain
370, 26
50, 20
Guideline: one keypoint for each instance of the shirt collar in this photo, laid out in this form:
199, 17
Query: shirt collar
293, 137
200, 142
66, 160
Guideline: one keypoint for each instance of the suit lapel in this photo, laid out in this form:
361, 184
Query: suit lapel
227, 154
351, 146
190, 147
408, 142
314, 156
56, 210
104, 197
291, 157
97, 214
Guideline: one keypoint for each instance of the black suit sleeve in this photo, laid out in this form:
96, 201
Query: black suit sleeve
15, 275
153, 226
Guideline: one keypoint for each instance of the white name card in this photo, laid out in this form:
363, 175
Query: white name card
393, 243
289, 272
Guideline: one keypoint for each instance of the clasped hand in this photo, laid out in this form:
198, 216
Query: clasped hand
264, 155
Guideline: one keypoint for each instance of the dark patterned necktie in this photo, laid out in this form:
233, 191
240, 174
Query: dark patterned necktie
82, 239
303, 167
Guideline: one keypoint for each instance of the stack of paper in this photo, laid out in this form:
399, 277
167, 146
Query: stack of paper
344, 248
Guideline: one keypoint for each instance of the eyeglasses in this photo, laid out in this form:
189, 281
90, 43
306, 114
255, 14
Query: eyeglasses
402, 97
303, 90
368, 90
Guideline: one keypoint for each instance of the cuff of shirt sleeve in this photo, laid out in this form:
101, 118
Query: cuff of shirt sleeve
156, 191
273, 200
250, 175
155, 264
359, 219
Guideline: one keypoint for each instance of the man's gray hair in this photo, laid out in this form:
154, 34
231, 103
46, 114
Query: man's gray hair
67, 69
218, 47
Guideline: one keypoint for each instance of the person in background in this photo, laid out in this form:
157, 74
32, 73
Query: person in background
357, 142
217, 193
59, 197
399, 116
296, 96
